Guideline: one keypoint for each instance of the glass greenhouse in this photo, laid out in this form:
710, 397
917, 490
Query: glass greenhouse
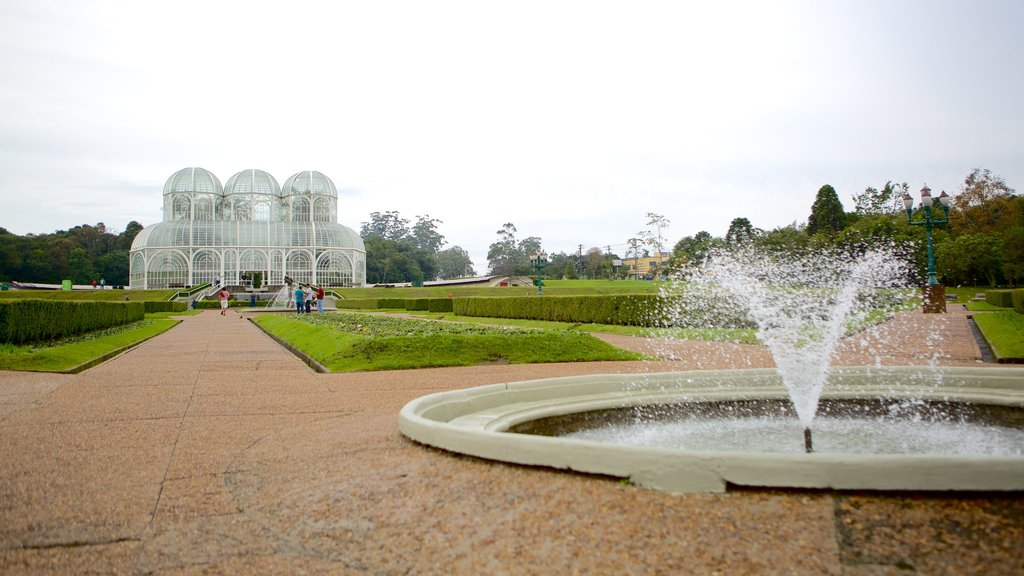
250, 226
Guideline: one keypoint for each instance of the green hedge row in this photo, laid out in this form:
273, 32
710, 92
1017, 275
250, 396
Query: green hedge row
33, 320
425, 304
153, 307
1017, 296
440, 304
623, 309
215, 304
357, 304
1002, 298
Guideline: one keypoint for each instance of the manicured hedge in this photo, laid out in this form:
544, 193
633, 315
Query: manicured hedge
622, 309
417, 304
357, 303
215, 304
153, 307
440, 304
1002, 298
1017, 296
629, 309
37, 320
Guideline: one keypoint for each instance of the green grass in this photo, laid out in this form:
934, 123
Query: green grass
983, 306
1004, 332
741, 335
83, 350
355, 342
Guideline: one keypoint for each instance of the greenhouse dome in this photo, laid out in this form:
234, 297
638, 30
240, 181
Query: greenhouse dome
249, 228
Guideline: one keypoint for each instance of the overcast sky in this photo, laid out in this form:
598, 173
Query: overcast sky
572, 120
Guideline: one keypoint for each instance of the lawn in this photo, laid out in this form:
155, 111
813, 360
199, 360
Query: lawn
1004, 332
346, 342
741, 335
80, 352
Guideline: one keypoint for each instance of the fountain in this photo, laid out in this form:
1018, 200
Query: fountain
883, 428
283, 298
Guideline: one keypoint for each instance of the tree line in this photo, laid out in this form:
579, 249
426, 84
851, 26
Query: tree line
982, 244
82, 254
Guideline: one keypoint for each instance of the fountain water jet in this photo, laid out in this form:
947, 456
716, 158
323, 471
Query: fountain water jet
802, 307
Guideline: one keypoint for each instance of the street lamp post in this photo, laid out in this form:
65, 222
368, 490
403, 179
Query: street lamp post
539, 259
934, 293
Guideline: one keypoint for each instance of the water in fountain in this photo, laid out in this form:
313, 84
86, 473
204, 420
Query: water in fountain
801, 304
283, 298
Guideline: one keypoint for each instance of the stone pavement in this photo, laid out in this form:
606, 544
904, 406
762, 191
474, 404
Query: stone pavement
210, 449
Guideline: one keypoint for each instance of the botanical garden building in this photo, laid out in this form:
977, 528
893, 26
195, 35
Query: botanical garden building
249, 228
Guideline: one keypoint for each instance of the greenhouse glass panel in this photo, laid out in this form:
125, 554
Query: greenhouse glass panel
182, 208
205, 266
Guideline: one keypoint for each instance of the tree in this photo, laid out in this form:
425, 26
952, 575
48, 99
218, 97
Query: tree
692, 250
888, 200
454, 263
508, 256
985, 204
740, 232
826, 213
654, 235
788, 239
594, 261
1013, 255
388, 226
425, 235
970, 258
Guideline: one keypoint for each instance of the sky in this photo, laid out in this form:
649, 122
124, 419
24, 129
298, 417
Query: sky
570, 120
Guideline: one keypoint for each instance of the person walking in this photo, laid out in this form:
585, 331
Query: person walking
299, 299
223, 295
320, 298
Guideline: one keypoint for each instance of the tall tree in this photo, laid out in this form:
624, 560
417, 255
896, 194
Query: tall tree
454, 263
425, 236
387, 225
985, 204
740, 232
502, 255
826, 213
654, 236
888, 200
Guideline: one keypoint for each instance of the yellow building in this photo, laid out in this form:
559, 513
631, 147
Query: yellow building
646, 266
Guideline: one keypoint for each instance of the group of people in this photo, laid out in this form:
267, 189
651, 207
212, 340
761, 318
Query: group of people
306, 297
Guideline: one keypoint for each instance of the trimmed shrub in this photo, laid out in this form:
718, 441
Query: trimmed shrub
417, 304
440, 305
391, 303
33, 320
1001, 298
357, 303
153, 307
215, 304
624, 309
1017, 297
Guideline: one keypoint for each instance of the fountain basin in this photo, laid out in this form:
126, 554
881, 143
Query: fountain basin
476, 421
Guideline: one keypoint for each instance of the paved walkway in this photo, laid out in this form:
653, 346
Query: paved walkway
211, 450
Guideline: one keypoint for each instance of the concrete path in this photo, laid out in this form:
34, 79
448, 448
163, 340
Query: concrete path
210, 449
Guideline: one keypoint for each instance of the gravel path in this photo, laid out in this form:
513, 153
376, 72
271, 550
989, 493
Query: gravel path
211, 450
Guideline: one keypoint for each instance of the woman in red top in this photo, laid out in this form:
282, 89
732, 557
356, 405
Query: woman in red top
223, 295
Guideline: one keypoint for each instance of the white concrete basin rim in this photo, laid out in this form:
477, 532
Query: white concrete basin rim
472, 421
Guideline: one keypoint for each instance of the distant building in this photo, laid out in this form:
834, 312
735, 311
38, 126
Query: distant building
250, 225
647, 266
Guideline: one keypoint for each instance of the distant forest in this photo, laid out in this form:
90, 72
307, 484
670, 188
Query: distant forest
81, 254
